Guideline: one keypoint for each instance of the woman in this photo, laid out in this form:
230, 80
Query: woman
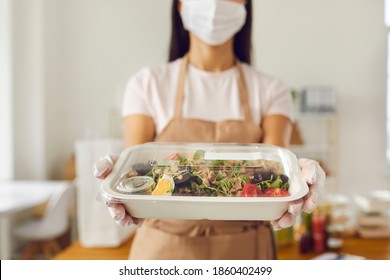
208, 92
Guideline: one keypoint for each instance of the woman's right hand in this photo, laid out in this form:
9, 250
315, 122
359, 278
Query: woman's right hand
101, 169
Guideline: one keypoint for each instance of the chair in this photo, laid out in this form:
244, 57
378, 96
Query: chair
41, 234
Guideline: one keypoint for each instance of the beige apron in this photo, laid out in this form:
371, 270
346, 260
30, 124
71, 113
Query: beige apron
204, 239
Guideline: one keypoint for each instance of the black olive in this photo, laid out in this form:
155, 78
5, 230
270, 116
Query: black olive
143, 168
182, 178
261, 175
284, 178
183, 175
197, 180
268, 175
182, 184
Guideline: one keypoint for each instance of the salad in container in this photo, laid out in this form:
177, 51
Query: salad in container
196, 181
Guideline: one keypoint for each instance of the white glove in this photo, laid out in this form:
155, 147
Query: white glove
103, 166
101, 169
314, 176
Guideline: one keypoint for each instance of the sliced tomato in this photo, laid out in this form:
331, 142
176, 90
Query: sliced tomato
275, 192
251, 190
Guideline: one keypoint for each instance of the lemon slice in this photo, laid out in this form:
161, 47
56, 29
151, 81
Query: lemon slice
165, 186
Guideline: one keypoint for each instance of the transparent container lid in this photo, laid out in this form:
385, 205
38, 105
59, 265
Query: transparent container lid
205, 170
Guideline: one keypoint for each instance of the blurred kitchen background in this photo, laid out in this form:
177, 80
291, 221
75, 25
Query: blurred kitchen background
64, 65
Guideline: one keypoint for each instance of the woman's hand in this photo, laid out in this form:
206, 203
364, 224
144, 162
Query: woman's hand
101, 169
314, 176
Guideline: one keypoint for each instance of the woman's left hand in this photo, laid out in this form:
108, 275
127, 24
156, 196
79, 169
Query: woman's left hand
314, 176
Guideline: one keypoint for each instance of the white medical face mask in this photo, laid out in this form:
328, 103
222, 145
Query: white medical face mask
213, 21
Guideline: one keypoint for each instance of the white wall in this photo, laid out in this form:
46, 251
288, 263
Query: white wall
91, 48
341, 44
6, 147
72, 61
28, 89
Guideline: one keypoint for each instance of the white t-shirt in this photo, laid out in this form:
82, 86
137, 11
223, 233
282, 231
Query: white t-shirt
211, 96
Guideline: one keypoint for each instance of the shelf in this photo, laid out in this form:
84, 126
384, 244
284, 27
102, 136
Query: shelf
319, 134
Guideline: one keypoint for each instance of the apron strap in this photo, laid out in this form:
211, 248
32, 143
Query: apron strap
243, 93
243, 90
180, 88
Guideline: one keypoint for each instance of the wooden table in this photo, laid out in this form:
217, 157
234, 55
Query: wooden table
77, 252
375, 249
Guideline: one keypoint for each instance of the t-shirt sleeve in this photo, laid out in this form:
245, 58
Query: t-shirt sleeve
279, 100
136, 96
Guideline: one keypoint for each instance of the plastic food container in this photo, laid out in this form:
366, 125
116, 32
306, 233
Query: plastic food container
206, 181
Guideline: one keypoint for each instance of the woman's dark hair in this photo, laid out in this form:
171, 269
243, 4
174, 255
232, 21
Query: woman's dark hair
180, 41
